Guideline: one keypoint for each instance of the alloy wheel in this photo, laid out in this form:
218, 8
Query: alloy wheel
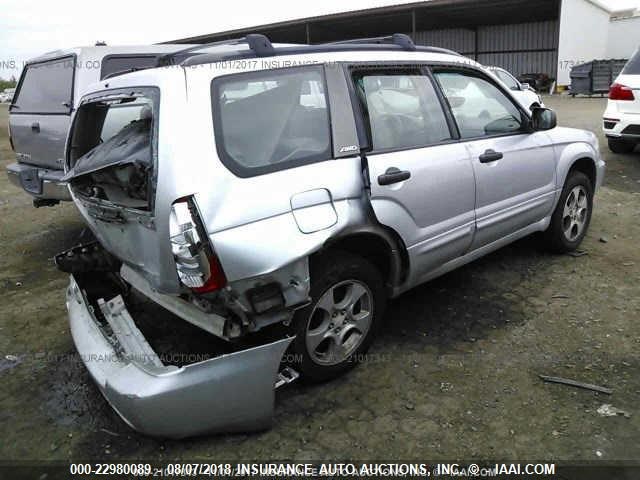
339, 322
574, 214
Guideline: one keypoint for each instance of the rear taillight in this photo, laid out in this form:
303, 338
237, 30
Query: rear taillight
197, 265
216, 280
620, 92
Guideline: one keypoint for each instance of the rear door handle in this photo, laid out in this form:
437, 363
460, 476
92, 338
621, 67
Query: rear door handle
393, 175
35, 126
490, 156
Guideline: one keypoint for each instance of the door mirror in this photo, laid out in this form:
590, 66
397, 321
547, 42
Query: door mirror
543, 118
525, 86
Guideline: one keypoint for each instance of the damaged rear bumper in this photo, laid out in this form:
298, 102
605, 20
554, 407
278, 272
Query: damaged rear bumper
39, 182
233, 392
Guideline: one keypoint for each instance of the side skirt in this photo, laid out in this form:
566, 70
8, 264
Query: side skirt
540, 225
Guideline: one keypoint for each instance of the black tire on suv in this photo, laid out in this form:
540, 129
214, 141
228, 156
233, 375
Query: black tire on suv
571, 218
619, 145
333, 333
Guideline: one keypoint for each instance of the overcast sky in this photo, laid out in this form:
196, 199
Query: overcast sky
29, 28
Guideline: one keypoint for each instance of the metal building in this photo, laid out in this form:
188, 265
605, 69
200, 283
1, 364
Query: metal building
523, 36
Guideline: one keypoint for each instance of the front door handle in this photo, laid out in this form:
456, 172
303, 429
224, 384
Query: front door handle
490, 156
35, 126
393, 175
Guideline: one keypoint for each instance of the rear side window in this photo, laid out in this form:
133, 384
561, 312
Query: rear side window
122, 64
46, 88
402, 109
633, 65
267, 121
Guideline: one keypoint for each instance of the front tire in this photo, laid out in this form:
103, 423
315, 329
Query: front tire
338, 326
571, 218
619, 145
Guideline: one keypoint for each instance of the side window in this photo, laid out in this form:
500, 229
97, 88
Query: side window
271, 120
402, 109
46, 88
479, 107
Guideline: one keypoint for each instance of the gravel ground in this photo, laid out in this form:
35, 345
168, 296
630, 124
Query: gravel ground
454, 373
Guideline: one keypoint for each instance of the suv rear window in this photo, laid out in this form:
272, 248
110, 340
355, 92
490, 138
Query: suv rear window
266, 121
633, 65
46, 87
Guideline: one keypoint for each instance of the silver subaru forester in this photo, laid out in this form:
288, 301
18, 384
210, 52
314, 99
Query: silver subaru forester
291, 190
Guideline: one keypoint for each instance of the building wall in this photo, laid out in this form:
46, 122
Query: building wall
520, 48
519, 63
624, 37
460, 40
584, 28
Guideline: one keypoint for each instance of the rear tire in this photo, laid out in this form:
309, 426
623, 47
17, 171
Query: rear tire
571, 218
619, 145
347, 304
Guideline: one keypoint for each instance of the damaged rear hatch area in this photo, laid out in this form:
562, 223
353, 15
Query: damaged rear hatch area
112, 167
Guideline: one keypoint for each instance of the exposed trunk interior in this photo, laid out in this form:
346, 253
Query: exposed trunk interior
176, 341
111, 154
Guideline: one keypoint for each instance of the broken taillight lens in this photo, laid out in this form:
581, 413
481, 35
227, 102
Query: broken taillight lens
216, 279
197, 265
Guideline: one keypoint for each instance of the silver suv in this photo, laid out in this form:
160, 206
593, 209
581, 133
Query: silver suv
277, 196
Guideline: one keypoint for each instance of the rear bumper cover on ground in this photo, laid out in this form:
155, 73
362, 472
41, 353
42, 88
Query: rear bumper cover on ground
39, 182
233, 392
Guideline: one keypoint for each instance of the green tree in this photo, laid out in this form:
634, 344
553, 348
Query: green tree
11, 83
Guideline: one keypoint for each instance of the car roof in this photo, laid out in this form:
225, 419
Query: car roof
101, 51
225, 67
226, 57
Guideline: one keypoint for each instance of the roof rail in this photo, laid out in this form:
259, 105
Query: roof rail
400, 39
259, 44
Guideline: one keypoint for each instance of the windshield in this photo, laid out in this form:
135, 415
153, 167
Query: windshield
507, 79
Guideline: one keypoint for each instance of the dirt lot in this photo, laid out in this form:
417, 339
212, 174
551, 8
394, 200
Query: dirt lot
453, 375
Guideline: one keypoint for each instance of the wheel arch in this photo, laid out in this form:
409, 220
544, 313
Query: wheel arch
575, 159
577, 155
586, 165
378, 244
